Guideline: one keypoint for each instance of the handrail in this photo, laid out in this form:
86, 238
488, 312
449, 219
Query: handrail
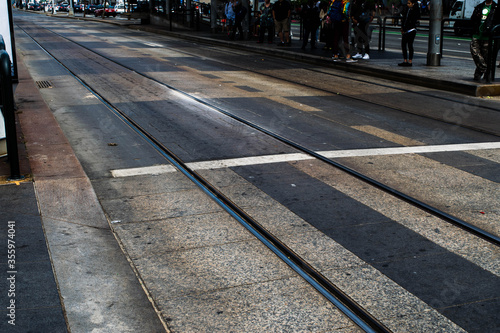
384, 28
379, 23
7, 103
492, 54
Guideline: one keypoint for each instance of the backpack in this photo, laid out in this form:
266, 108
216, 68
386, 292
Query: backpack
338, 12
241, 11
335, 13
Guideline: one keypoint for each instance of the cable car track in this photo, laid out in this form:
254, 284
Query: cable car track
336, 296
402, 196
282, 251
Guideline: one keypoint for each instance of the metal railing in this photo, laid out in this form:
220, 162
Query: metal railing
395, 20
492, 54
190, 18
7, 106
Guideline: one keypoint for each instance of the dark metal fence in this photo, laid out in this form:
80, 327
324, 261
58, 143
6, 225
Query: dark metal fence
493, 47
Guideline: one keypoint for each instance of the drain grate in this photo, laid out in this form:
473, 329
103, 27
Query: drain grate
43, 84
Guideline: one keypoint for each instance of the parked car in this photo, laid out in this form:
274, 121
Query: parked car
90, 9
63, 7
34, 6
79, 8
110, 11
120, 8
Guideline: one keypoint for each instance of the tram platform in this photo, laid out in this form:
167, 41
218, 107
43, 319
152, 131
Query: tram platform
453, 74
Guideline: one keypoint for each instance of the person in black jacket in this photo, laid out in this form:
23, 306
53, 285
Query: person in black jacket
311, 21
409, 20
361, 16
483, 19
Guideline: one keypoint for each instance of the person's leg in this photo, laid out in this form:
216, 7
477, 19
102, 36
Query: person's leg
270, 34
262, 32
404, 43
335, 38
314, 33
345, 39
307, 32
279, 29
366, 37
411, 39
358, 35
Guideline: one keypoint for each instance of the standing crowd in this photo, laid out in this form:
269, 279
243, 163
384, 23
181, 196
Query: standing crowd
329, 21
332, 23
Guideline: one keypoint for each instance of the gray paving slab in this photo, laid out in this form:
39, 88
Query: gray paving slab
123, 187
83, 208
181, 233
159, 206
285, 305
207, 273
97, 285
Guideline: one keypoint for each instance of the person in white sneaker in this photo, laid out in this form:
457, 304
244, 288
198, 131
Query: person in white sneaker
339, 15
362, 15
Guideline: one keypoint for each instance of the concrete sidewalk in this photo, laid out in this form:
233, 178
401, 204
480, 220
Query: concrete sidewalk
69, 272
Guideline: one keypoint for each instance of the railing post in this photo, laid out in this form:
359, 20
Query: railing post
379, 23
8, 114
491, 59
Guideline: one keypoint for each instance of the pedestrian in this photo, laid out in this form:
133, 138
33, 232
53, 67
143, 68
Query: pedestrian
361, 15
310, 20
239, 15
230, 16
266, 22
326, 33
281, 15
483, 19
409, 21
339, 15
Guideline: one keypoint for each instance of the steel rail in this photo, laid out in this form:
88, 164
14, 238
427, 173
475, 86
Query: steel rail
335, 295
398, 194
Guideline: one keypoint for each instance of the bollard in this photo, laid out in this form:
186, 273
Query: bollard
8, 114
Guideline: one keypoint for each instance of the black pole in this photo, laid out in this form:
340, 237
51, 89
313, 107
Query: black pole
434, 43
8, 114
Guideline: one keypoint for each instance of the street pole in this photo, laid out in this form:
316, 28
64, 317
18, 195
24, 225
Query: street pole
435, 38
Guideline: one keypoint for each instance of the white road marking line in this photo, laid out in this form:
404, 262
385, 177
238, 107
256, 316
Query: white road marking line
151, 170
267, 159
153, 44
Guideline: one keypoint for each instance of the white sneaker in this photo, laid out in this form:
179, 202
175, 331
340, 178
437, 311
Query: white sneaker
351, 60
366, 57
357, 56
